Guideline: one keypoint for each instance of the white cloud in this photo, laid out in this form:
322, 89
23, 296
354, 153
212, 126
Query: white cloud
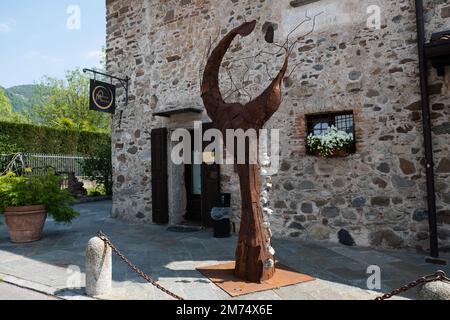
36, 55
8, 26
5, 28
52, 59
95, 55
31, 55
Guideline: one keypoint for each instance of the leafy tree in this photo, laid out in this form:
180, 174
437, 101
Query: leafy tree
5, 106
22, 97
6, 110
66, 104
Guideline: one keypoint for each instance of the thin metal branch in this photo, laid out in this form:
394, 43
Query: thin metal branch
206, 55
237, 88
286, 46
290, 48
293, 69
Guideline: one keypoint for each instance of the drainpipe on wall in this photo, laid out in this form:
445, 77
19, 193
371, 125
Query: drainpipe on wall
428, 139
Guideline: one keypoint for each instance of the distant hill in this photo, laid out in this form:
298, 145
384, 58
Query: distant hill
21, 97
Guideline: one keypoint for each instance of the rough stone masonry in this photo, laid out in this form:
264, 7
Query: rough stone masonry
375, 197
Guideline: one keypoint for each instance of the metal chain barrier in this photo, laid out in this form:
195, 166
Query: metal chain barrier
438, 276
138, 271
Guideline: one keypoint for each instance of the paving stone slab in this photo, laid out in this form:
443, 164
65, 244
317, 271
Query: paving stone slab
172, 258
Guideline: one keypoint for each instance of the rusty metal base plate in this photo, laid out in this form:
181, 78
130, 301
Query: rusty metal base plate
222, 275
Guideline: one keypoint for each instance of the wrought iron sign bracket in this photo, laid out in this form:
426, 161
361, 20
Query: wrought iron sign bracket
125, 82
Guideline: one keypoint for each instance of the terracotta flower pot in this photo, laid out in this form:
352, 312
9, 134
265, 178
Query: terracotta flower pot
25, 224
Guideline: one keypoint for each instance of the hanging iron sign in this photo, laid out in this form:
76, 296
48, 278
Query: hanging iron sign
102, 97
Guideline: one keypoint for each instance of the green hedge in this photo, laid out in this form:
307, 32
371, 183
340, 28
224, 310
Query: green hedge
38, 139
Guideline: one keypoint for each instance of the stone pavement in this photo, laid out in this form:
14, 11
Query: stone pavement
171, 258
12, 292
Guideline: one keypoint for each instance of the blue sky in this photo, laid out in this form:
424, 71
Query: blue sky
39, 38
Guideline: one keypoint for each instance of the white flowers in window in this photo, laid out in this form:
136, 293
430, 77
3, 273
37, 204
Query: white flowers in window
329, 141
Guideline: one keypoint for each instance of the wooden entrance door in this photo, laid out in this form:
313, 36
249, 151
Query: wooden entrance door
160, 193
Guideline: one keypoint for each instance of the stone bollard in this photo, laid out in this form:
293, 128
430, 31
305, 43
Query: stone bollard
434, 291
98, 268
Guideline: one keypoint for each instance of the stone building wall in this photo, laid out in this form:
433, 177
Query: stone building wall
378, 194
438, 19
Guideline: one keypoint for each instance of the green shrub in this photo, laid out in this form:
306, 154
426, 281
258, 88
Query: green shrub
6, 147
98, 168
38, 139
16, 191
98, 191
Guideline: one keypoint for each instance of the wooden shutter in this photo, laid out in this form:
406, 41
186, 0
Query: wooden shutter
160, 194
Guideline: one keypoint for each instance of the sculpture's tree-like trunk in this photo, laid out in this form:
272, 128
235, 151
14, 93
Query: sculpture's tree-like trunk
252, 254
254, 262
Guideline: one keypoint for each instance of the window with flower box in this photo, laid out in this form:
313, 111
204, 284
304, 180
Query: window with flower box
321, 123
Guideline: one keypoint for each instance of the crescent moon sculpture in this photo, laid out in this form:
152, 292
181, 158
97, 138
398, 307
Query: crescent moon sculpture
254, 261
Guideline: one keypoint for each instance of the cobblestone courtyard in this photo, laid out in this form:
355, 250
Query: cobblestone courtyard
172, 259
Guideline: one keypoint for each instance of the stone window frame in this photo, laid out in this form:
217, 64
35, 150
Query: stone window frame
331, 116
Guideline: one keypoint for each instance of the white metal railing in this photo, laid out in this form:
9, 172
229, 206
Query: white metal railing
39, 162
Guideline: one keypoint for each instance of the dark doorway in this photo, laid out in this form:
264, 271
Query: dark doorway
210, 192
202, 188
160, 195
193, 177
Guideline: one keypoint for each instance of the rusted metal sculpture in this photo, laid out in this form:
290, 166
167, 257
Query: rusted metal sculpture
254, 261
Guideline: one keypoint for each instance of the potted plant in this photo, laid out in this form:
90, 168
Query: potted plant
26, 201
331, 143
